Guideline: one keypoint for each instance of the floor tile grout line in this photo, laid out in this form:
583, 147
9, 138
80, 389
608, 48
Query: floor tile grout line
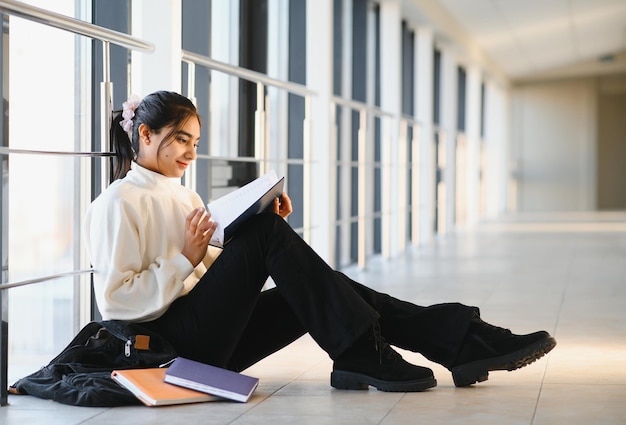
568, 281
273, 393
391, 409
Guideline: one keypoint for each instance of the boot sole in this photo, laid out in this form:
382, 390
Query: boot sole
478, 371
343, 380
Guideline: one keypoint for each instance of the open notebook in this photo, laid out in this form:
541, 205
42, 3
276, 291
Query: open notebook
231, 210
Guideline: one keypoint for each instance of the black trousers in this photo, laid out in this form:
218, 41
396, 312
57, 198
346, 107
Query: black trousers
228, 321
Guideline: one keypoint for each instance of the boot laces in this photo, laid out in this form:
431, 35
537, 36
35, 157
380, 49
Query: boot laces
385, 352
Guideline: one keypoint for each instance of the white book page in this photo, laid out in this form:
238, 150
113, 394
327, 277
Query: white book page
226, 209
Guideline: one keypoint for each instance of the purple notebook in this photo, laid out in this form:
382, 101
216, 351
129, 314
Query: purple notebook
210, 379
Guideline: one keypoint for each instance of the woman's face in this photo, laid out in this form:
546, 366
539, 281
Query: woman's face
176, 154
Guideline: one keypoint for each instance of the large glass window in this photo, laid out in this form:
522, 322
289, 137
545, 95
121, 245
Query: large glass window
46, 113
115, 15
438, 148
196, 38
378, 137
356, 82
224, 100
461, 98
408, 109
295, 110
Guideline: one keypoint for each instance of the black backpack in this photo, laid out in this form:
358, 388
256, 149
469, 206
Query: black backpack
81, 374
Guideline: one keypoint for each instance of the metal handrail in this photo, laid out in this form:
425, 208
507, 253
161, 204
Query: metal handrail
246, 74
73, 25
7, 151
249, 159
361, 106
410, 120
44, 278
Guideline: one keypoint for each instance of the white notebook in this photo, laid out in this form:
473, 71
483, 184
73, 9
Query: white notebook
232, 209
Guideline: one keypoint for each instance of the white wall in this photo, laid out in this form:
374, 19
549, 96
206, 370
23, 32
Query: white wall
553, 134
611, 150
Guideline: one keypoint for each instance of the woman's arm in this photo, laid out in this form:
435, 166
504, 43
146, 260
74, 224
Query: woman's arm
138, 271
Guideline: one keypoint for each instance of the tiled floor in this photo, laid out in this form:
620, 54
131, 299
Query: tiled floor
564, 273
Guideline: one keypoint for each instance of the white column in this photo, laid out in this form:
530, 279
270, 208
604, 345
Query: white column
448, 124
472, 132
424, 105
345, 135
370, 150
158, 22
319, 72
391, 81
497, 146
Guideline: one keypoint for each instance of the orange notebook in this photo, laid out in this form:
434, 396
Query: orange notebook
148, 385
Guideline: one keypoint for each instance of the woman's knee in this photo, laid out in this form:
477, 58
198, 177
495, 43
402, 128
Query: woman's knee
265, 221
260, 229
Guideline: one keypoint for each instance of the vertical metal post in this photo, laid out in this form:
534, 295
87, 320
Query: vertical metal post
332, 185
191, 82
4, 211
415, 186
362, 173
266, 132
441, 182
386, 181
306, 171
402, 184
190, 177
259, 128
4, 342
106, 96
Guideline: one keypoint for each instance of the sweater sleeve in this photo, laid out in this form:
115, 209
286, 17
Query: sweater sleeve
129, 285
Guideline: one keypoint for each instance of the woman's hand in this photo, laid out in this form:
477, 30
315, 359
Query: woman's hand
198, 232
282, 205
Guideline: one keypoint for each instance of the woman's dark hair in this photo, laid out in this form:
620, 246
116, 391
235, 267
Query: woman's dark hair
157, 110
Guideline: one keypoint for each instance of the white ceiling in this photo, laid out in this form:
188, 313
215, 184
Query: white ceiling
538, 38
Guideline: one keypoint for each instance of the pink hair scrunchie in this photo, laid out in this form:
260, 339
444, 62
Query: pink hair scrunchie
128, 112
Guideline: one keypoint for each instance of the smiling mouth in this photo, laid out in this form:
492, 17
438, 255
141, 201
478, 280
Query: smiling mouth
182, 164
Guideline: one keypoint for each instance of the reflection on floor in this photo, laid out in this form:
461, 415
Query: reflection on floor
562, 273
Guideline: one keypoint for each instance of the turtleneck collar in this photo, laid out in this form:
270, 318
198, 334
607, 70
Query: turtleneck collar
150, 176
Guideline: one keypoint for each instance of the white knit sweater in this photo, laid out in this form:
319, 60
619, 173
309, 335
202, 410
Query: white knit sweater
134, 235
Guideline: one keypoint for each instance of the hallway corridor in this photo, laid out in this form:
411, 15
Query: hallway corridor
565, 273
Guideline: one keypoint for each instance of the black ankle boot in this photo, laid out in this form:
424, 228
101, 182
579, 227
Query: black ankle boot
487, 347
371, 361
